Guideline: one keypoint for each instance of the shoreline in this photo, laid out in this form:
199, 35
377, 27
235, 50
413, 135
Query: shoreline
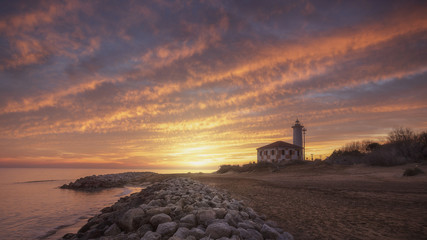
331, 202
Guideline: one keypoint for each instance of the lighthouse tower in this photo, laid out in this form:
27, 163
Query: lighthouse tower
297, 133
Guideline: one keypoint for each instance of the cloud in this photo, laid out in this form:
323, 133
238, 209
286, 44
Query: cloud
177, 77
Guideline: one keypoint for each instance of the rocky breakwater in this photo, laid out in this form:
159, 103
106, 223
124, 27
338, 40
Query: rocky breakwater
179, 209
97, 182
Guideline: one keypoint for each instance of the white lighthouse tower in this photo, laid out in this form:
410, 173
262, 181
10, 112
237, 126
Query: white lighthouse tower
297, 133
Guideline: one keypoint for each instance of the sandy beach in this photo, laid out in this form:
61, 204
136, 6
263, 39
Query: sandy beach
334, 202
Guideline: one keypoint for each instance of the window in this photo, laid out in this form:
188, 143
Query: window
283, 152
272, 152
290, 152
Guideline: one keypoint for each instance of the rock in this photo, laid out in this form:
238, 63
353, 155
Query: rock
188, 221
129, 220
249, 234
246, 225
166, 229
170, 208
197, 233
69, 236
191, 238
218, 230
159, 218
144, 229
244, 215
216, 199
151, 236
132, 236
252, 214
112, 230
91, 183
182, 232
157, 203
269, 232
205, 216
233, 218
158, 210
287, 236
220, 212
175, 238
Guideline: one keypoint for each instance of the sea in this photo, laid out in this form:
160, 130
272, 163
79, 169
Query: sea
32, 206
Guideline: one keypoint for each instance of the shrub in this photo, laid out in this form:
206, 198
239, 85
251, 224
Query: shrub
403, 146
412, 172
228, 168
386, 156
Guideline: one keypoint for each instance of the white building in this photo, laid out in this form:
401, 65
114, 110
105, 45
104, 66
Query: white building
282, 151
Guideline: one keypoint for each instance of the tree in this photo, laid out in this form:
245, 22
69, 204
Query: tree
372, 147
401, 135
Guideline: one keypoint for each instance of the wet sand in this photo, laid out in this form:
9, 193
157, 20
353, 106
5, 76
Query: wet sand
334, 202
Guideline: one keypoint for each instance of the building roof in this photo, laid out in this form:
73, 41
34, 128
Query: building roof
279, 144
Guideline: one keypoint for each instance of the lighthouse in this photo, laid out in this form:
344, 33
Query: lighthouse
298, 128
280, 151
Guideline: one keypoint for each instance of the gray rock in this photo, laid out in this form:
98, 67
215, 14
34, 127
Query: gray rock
158, 210
244, 215
157, 203
216, 199
252, 214
129, 220
159, 218
218, 230
287, 236
144, 229
205, 216
188, 221
220, 212
182, 232
246, 225
133, 236
233, 217
269, 232
191, 238
249, 234
175, 238
112, 230
151, 236
166, 229
197, 233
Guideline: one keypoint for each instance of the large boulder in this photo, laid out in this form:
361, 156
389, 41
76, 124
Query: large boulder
269, 232
151, 236
182, 233
188, 221
218, 230
159, 218
131, 219
206, 216
112, 230
158, 210
197, 233
233, 217
167, 229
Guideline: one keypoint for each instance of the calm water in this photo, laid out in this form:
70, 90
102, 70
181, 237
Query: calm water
33, 207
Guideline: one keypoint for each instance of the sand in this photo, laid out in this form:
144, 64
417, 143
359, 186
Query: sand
334, 202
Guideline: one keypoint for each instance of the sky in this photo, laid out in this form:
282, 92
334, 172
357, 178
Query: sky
197, 84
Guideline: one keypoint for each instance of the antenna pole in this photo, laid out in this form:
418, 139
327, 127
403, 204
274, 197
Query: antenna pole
303, 131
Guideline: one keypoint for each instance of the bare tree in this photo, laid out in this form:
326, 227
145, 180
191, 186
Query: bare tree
401, 135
